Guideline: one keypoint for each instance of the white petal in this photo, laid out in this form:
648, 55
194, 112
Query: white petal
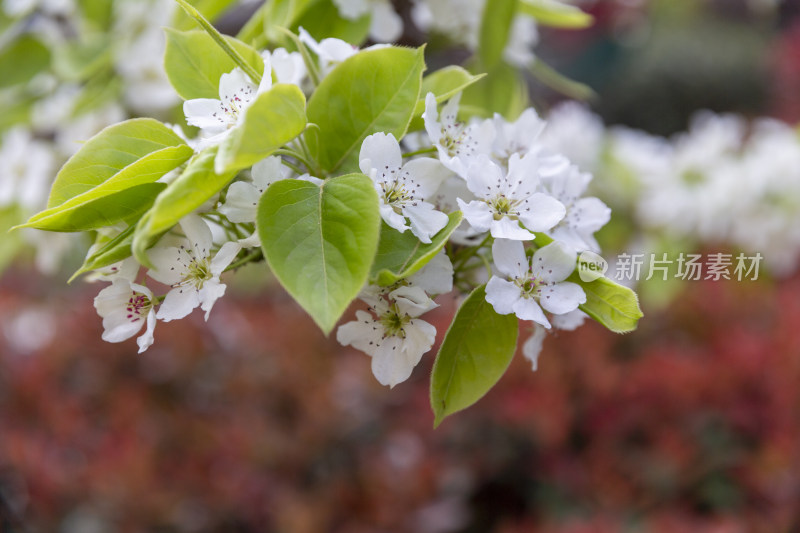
393, 219
523, 175
554, 262
428, 173
431, 119
533, 346
146, 339
507, 228
510, 259
178, 303
484, 177
224, 257
425, 220
383, 152
562, 297
569, 321
198, 233
528, 309
502, 294
170, 264
233, 82
266, 77
268, 171
362, 334
436, 277
589, 214
420, 337
389, 365
540, 212
200, 112
241, 202
477, 213
212, 291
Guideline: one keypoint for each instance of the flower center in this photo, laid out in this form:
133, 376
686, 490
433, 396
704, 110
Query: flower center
393, 322
530, 287
503, 206
199, 272
138, 306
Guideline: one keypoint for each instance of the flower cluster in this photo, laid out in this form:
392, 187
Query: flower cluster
511, 190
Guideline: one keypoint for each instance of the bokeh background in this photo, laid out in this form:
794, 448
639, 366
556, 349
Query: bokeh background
254, 422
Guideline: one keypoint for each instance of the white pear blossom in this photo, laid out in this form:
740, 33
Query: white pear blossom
455, 142
403, 189
241, 201
584, 216
288, 67
125, 307
190, 270
391, 333
527, 288
446, 201
216, 118
522, 137
330, 51
509, 204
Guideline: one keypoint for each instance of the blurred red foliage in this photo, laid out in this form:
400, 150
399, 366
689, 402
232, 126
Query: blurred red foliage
254, 422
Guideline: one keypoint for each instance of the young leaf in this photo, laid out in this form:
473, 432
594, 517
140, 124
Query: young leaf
402, 254
613, 305
190, 190
495, 30
444, 83
194, 62
210, 9
113, 251
556, 14
272, 120
375, 90
320, 241
103, 184
475, 353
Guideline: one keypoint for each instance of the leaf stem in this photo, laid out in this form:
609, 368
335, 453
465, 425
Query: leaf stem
221, 41
255, 256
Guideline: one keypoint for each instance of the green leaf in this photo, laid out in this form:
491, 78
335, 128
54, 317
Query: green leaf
197, 184
320, 241
613, 305
112, 177
443, 83
194, 62
495, 30
556, 14
276, 117
324, 21
22, 60
475, 353
402, 254
372, 91
112, 251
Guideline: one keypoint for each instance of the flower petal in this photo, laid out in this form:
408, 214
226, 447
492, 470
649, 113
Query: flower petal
562, 297
502, 294
528, 309
425, 220
178, 303
533, 346
554, 262
380, 151
510, 259
540, 212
